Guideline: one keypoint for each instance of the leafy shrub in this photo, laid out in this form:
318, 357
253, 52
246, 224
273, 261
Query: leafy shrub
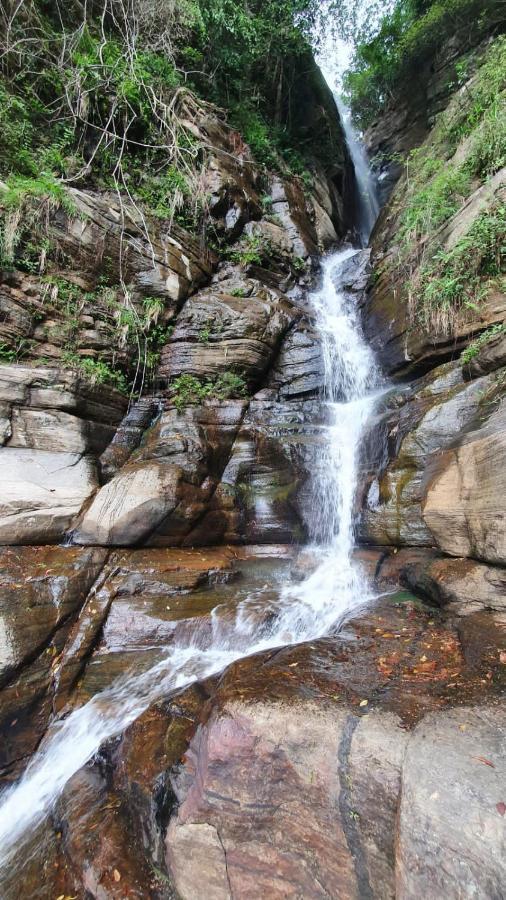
187, 390
95, 371
457, 279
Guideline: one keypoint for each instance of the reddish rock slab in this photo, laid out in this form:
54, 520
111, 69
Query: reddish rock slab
41, 592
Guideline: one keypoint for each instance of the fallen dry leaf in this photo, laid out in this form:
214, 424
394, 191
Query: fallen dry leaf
502, 657
501, 808
363, 702
486, 762
116, 875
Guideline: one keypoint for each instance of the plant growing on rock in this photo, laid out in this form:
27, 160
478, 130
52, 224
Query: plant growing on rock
455, 281
475, 346
188, 390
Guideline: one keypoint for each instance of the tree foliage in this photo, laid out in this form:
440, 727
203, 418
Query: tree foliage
407, 39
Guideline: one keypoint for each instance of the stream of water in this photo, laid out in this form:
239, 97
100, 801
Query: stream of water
302, 611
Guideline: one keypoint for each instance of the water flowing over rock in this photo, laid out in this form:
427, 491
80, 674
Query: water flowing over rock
268, 656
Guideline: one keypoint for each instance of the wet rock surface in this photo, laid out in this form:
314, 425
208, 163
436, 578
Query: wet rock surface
440, 479
326, 768
42, 590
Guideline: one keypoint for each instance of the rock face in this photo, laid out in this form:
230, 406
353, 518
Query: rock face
53, 425
418, 494
173, 467
410, 115
404, 346
42, 592
365, 764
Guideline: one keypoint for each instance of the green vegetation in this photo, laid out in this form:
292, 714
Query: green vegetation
253, 250
105, 92
385, 66
474, 348
457, 279
465, 149
95, 371
15, 351
109, 96
187, 390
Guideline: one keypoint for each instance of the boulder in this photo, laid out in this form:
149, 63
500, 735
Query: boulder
463, 585
42, 492
162, 490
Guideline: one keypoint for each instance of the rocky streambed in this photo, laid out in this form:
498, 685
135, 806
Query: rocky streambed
366, 763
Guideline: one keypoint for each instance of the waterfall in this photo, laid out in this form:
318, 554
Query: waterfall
302, 611
367, 202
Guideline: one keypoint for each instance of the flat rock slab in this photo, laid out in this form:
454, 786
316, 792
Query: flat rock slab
292, 786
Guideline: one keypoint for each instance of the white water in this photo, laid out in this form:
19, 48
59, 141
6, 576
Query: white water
302, 611
367, 188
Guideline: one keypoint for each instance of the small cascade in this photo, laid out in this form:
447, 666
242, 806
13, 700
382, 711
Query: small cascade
300, 611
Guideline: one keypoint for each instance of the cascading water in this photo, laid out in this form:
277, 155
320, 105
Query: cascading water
302, 611
367, 189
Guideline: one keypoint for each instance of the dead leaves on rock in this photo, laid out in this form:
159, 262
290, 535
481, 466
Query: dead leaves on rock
484, 761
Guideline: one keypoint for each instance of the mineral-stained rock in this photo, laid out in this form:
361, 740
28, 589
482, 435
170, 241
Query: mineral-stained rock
313, 735
262, 493
464, 504
42, 590
286, 774
451, 831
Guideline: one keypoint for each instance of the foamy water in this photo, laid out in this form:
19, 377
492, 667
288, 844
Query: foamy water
302, 611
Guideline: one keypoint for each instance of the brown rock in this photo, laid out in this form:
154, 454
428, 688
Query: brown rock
42, 590
464, 506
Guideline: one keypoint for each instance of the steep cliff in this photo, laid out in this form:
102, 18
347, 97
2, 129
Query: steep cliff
436, 310
125, 295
